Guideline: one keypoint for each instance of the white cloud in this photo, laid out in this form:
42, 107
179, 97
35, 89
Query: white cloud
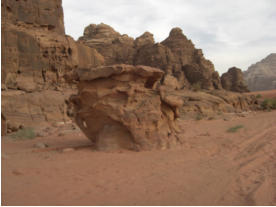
230, 32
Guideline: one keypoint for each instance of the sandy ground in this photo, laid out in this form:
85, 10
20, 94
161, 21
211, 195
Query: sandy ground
214, 167
265, 94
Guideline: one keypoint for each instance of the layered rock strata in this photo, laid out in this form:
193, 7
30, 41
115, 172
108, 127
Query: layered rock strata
36, 54
121, 106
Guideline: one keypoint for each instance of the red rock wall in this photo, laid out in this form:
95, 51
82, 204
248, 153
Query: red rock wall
46, 14
36, 56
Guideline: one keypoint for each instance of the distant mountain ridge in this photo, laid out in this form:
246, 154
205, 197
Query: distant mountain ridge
262, 75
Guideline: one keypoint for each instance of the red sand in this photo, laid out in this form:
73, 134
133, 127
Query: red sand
214, 167
265, 94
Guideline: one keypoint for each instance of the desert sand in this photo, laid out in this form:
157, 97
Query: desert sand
265, 94
212, 167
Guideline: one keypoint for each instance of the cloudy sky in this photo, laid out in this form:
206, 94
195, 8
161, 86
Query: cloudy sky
230, 32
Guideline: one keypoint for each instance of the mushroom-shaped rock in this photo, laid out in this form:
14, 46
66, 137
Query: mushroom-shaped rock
120, 106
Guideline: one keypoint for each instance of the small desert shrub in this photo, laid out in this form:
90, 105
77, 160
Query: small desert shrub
211, 118
259, 96
235, 128
25, 133
269, 104
199, 117
196, 86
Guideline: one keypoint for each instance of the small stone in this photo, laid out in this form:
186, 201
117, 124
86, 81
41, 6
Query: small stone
41, 145
40, 134
68, 150
47, 129
61, 134
58, 124
17, 172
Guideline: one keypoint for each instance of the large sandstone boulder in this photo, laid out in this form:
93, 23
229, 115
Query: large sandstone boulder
232, 80
262, 75
121, 106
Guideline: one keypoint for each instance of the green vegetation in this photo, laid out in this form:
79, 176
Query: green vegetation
199, 117
259, 96
25, 133
235, 128
269, 104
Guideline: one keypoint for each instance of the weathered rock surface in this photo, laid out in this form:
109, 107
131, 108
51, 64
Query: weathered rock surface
45, 14
117, 106
176, 55
262, 75
120, 106
34, 108
209, 104
232, 80
191, 61
124, 106
36, 54
115, 48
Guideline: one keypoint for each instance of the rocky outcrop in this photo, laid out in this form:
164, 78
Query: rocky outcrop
143, 40
47, 15
232, 80
262, 75
117, 106
212, 103
176, 55
36, 54
125, 107
191, 61
115, 48
121, 106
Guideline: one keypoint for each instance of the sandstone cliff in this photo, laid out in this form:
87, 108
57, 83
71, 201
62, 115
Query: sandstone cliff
176, 55
36, 54
262, 75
